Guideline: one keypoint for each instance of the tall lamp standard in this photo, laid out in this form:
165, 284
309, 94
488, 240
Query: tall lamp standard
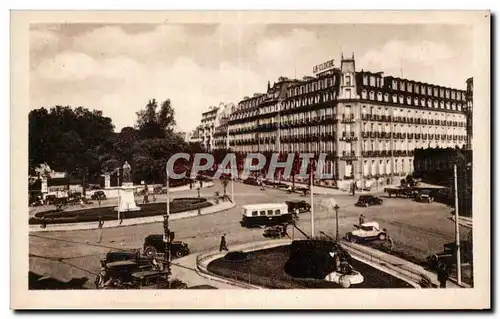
166, 230
198, 190
336, 207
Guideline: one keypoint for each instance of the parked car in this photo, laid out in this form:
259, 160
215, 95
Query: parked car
426, 196
98, 195
369, 200
448, 257
154, 244
367, 231
251, 181
122, 255
50, 199
298, 206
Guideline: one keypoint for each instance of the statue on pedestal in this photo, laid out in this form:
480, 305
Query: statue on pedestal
127, 173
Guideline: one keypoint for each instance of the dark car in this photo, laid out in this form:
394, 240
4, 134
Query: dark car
368, 200
154, 244
98, 195
448, 257
122, 255
50, 199
251, 181
298, 206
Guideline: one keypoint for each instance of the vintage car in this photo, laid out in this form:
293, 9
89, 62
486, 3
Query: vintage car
298, 206
251, 181
154, 244
98, 195
425, 196
268, 214
367, 231
122, 255
368, 200
448, 257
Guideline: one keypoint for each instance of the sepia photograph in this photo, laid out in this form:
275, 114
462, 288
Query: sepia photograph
282, 157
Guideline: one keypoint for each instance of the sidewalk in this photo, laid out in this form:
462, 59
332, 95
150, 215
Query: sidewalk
185, 269
402, 266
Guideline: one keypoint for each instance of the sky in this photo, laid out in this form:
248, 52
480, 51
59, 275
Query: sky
117, 68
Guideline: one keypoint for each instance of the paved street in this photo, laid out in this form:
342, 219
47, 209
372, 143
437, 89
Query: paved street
419, 227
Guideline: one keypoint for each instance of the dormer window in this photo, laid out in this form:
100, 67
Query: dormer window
453, 96
401, 99
365, 79
453, 106
429, 91
379, 96
417, 88
415, 101
394, 84
408, 100
394, 98
372, 80
372, 95
429, 102
410, 87
402, 85
386, 97
348, 80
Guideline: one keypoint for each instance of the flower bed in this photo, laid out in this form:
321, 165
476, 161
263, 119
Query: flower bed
265, 268
109, 213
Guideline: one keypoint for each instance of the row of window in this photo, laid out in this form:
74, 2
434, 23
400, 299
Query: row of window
408, 100
319, 84
394, 111
412, 87
408, 128
383, 167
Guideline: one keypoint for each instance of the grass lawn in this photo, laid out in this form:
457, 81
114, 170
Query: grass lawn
265, 268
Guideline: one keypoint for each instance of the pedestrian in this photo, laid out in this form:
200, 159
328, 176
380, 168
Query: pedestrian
44, 222
99, 226
442, 275
391, 243
361, 219
223, 244
145, 200
353, 187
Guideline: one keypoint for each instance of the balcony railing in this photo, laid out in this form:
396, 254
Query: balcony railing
348, 156
410, 136
347, 118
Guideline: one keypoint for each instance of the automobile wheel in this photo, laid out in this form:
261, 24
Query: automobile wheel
382, 236
179, 253
352, 239
150, 252
344, 281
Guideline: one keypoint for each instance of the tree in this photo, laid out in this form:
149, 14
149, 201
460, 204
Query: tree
155, 124
67, 139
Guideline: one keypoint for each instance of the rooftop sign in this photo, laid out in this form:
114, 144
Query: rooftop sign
323, 66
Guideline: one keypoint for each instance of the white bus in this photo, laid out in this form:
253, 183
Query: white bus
265, 214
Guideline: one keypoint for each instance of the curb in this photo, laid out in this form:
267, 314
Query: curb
416, 276
203, 259
135, 221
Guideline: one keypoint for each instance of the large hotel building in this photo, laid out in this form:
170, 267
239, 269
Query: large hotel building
368, 124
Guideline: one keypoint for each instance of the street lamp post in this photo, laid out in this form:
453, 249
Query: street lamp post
166, 230
336, 207
198, 190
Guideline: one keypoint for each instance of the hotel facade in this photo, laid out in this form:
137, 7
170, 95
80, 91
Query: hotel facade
368, 124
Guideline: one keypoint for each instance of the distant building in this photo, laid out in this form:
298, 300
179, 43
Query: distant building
435, 166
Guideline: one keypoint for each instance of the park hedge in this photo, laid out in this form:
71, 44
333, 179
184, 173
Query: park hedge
108, 213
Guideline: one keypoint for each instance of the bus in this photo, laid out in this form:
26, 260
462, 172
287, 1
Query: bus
262, 215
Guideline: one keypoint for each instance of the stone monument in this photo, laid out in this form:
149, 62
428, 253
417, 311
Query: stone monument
126, 200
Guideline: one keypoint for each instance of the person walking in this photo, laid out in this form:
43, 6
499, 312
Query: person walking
99, 226
442, 275
145, 200
361, 219
223, 244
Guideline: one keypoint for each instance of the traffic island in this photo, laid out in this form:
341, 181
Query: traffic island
267, 268
107, 217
